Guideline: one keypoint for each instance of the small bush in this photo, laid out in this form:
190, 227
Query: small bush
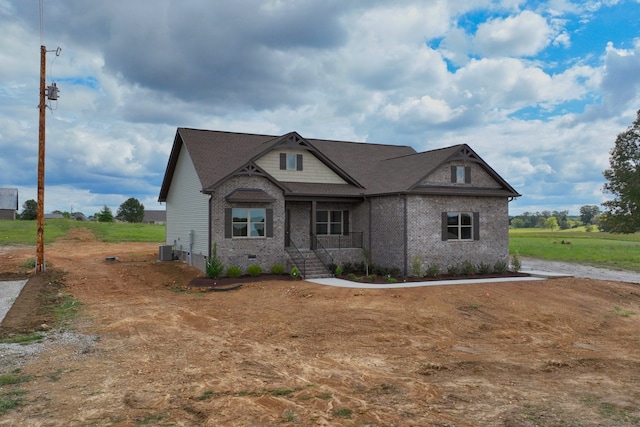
338, 271
390, 279
351, 276
454, 270
295, 273
500, 267
254, 270
277, 269
214, 266
468, 268
234, 271
484, 268
416, 266
348, 267
395, 271
371, 278
433, 270
516, 264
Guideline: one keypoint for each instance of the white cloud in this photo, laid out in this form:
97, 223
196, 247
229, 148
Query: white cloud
525, 34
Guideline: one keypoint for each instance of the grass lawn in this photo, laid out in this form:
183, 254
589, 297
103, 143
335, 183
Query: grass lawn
25, 232
615, 251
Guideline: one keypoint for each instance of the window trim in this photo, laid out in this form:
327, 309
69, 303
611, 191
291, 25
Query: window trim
293, 159
228, 223
475, 226
455, 174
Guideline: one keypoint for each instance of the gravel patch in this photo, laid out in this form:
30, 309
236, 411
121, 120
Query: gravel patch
579, 270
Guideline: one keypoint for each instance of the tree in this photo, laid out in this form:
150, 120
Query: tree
131, 210
622, 214
589, 214
29, 210
551, 223
105, 215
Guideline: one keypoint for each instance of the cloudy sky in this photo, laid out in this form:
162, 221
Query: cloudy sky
539, 89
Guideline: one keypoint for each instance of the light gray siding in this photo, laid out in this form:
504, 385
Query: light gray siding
187, 209
313, 169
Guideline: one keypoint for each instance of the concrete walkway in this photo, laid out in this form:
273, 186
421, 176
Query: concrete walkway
9, 291
533, 276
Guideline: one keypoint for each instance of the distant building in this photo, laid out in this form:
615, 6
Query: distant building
154, 217
53, 216
8, 203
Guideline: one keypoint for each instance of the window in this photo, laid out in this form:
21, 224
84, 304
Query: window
461, 174
460, 226
248, 222
290, 161
329, 222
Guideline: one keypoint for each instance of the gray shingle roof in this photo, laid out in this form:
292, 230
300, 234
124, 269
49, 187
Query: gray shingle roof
369, 169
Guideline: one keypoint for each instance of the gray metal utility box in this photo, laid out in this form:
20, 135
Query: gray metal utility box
166, 253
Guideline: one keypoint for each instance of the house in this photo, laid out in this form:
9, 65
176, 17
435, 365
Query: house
154, 216
287, 199
8, 203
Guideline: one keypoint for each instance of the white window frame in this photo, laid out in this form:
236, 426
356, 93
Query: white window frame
252, 229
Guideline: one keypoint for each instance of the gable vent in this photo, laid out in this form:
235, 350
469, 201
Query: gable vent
466, 154
293, 140
250, 170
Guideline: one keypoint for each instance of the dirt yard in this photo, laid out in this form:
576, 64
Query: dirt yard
561, 352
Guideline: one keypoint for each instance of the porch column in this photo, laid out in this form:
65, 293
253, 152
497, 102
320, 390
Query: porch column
312, 227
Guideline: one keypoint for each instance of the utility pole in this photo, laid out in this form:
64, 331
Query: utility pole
40, 263
51, 93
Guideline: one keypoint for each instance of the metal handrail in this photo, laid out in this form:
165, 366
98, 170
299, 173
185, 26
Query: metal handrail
320, 249
303, 269
337, 241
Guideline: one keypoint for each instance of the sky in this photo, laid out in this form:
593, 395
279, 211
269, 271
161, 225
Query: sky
538, 89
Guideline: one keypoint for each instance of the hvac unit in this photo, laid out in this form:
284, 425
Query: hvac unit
166, 253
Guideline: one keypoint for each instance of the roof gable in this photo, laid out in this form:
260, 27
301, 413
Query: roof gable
368, 169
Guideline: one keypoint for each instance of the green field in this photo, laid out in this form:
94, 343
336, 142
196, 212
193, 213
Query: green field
615, 251
25, 232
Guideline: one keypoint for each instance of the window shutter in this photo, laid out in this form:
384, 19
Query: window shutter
453, 174
345, 223
299, 162
467, 174
283, 161
476, 226
444, 226
228, 226
269, 224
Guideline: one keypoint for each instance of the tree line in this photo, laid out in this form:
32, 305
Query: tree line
553, 220
131, 210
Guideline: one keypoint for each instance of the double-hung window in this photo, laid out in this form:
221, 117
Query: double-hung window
329, 222
460, 226
248, 222
290, 161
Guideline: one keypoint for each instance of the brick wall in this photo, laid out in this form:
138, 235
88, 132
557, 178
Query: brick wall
265, 251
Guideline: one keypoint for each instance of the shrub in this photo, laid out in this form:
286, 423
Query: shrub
338, 271
254, 270
277, 269
516, 264
484, 268
351, 276
372, 278
454, 270
433, 270
295, 273
348, 267
416, 266
468, 268
234, 271
390, 279
214, 266
500, 267
395, 271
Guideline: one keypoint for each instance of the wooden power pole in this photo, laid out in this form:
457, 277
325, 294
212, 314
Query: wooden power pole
40, 263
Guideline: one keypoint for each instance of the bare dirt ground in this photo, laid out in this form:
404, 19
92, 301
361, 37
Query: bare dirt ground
561, 352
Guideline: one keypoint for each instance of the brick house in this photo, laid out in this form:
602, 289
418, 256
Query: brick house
288, 200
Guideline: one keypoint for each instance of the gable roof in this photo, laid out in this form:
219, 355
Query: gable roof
9, 199
368, 169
